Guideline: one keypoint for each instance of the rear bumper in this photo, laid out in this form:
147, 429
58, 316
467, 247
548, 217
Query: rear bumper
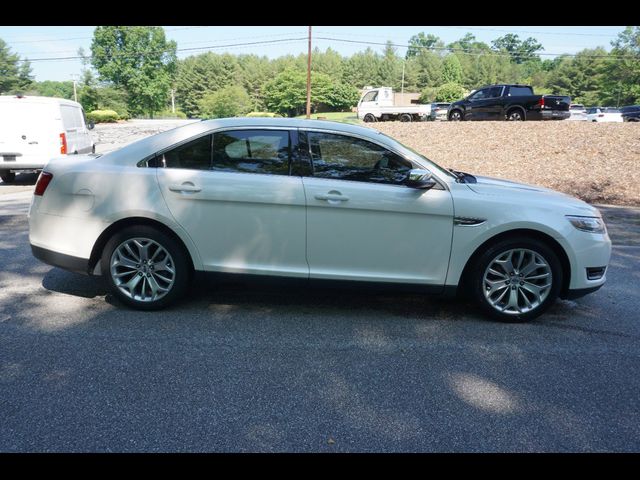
554, 115
66, 262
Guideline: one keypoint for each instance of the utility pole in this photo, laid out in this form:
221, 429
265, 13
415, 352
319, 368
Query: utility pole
75, 90
173, 101
402, 92
309, 77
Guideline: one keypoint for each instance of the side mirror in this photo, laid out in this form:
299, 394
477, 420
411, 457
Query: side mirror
90, 126
420, 178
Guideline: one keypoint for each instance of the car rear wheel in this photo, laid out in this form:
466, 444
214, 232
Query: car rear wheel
455, 116
516, 280
405, 117
7, 176
370, 118
515, 116
145, 268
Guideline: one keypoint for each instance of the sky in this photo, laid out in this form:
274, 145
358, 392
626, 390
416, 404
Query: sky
42, 42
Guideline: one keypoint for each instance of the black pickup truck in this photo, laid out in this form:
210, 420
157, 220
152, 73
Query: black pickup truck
509, 102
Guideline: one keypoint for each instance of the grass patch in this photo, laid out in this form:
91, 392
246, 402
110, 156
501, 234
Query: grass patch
344, 117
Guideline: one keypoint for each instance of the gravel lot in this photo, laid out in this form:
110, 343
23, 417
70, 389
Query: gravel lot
597, 162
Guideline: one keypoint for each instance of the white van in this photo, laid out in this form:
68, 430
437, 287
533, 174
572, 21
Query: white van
35, 129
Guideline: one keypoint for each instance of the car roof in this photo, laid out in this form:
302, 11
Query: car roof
38, 99
147, 146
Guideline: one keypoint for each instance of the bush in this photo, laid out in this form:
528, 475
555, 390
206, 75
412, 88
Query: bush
262, 114
102, 116
232, 101
167, 113
450, 92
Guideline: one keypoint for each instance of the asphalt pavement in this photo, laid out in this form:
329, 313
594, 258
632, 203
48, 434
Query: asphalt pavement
241, 367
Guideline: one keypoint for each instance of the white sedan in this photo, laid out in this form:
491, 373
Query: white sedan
313, 200
604, 114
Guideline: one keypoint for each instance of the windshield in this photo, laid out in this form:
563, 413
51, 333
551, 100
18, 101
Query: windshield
410, 152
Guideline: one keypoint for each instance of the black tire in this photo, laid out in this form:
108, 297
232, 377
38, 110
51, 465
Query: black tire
475, 277
181, 265
455, 116
515, 115
405, 117
370, 118
7, 177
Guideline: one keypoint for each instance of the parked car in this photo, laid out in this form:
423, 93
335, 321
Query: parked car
439, 111
379, 105
313, 200
578, 112
509, 102
630, 113
35, 129
604, 114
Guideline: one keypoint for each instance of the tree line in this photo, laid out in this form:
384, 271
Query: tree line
135, 72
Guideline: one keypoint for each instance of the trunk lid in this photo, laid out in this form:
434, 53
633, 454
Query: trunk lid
557, 102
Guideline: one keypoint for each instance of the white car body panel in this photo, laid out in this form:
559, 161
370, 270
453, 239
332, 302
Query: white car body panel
601, 115
275, 225
30, 129
384, 104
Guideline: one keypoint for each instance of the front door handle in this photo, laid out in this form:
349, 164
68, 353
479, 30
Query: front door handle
186, 187
332, 197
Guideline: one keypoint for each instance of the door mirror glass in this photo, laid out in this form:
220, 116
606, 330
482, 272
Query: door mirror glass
420, 178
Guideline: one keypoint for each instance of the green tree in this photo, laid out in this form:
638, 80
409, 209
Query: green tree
360, 70
205, 73
51, 88
9, 69
622, 83
519, 50
451, 69
138, 59
581, 77
287, 93
231, 101
450, 92
421, 42
390, 68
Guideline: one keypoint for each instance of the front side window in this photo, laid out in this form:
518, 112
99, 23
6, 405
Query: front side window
370, 97
194, 155
342, 157
480, 94
252, 151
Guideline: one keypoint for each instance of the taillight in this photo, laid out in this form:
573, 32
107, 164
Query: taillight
63, 143
541, 102
42, 183
601, 114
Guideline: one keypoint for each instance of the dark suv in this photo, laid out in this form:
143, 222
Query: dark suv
630, 113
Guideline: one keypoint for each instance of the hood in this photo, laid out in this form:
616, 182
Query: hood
516, 192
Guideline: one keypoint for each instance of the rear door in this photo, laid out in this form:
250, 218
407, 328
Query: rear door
78, 140
363, 223
233, 193
29, 133
477, 105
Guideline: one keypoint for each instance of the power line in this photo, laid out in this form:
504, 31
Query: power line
535, 33
151, 52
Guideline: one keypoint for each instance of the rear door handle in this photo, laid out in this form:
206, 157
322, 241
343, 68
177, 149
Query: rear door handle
186, 187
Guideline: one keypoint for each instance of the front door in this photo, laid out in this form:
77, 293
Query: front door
232, 192
363, 223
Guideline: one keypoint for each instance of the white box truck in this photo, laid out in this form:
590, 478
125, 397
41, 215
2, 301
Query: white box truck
35, 129
378, 105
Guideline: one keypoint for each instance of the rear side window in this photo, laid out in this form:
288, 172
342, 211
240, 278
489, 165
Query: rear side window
495, 92
520, 91
194, 155
252, 151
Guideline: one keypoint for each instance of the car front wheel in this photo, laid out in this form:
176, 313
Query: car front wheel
516, 280
145, 268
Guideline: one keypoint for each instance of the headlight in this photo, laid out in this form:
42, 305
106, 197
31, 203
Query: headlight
587, 224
